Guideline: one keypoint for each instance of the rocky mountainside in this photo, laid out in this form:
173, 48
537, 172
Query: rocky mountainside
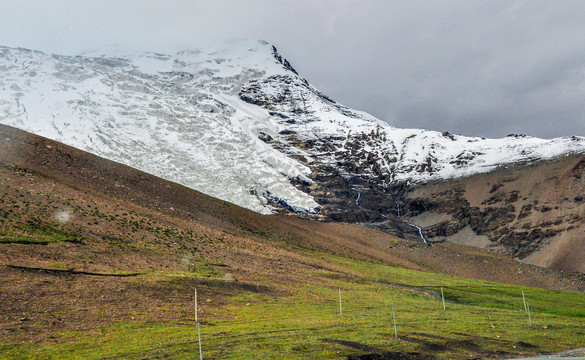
237, 122
535, 212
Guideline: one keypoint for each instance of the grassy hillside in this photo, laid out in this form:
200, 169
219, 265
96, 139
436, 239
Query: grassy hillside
98, 260
301, 319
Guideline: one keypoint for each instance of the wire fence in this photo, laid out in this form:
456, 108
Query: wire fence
343, 310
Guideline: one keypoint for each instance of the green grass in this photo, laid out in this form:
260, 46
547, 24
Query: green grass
487, 318
475, 292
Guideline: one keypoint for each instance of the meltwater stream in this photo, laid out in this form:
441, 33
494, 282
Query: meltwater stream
419, 231
409, 223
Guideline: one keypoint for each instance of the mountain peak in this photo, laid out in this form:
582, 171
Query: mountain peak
282, 60
234, 58
235, 121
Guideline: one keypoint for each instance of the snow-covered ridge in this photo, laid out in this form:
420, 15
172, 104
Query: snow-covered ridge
233, 120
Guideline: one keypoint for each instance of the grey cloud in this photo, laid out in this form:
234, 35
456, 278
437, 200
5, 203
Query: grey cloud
484, 68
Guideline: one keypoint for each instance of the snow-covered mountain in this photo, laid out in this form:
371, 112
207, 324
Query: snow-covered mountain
237, 122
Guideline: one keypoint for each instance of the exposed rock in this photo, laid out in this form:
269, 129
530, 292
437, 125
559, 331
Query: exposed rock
525, 211
519, 211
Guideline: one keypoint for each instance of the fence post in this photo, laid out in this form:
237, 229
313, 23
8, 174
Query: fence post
394, 319
199, 336
443, 297
340, 308
195, 301
529, 318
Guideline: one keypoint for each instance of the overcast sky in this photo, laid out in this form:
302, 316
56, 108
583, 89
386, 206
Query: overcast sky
483, 68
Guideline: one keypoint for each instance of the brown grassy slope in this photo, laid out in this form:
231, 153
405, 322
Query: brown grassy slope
537, 210
99, 219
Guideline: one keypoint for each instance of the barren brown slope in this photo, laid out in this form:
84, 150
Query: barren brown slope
535, 212
77, 230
